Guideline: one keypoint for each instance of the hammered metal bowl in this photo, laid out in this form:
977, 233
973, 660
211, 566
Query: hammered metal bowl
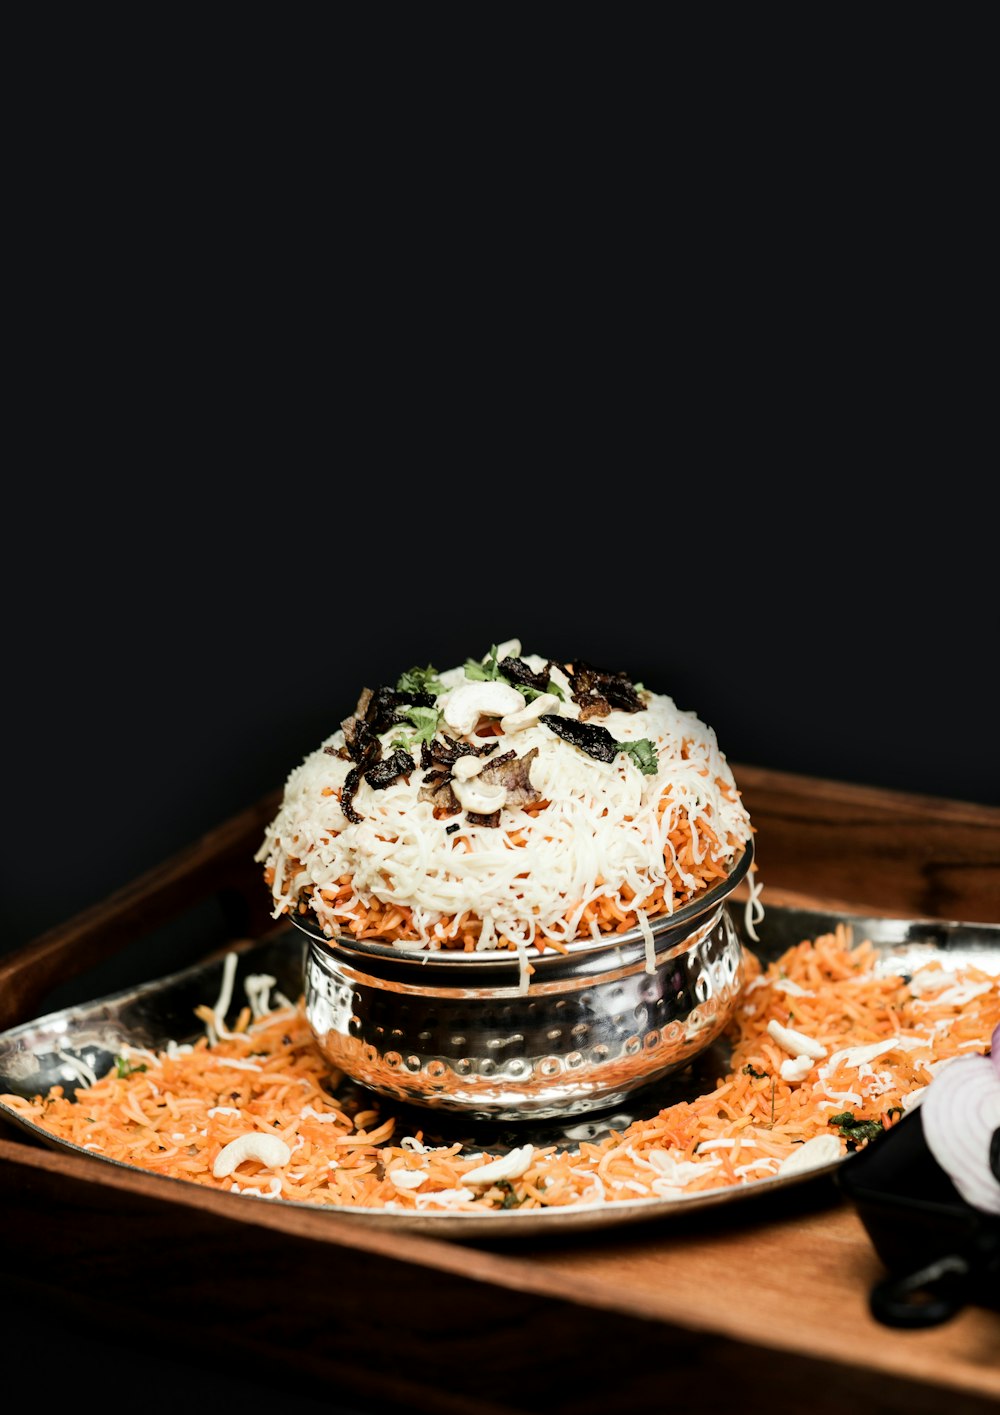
455, 1031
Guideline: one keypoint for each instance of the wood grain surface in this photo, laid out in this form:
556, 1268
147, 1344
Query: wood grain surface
762, 1303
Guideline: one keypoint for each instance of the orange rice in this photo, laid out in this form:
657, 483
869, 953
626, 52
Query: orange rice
173, 1112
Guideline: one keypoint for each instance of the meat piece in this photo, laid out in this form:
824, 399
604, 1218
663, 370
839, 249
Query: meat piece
440, 795
514, 774
490, 770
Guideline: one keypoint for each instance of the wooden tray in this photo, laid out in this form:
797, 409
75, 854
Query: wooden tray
764, 1303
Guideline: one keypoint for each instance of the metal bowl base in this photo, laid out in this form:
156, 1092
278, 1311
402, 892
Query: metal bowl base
577, 1043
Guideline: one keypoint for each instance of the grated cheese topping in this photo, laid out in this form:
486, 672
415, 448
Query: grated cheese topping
602, 830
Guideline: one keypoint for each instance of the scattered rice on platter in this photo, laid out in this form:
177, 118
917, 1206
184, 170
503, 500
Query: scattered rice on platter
828, 1050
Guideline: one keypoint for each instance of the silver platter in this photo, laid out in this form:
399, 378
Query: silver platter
39, 1054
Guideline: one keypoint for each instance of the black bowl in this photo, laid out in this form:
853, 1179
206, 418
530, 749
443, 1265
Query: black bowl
941, 1254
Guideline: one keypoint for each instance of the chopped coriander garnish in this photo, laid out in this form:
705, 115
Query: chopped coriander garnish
124, 1068
856, 1131
492, 669
531, 693
425, 720
510, 1199
420, 680
487, 671
748, 1070
643, 753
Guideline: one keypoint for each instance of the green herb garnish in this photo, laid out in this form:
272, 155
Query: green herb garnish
531, 693
483, 672
420, 680
510, 1199
492, 669
856, 1130
748, 1070
643, 753
425, 720
124, 1068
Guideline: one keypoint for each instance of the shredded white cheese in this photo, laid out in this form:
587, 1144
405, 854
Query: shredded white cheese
647, 937
257, 987
84, 1074
791, 988
217, 1027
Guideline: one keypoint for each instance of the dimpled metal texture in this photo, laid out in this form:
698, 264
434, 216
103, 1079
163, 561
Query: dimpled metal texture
590, 1028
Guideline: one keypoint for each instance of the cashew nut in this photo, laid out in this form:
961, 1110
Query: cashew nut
467, 767
820, 1150
467, 703
511, 1166
271, 1152
796, 1043
530, 713
404, 1178
481, 797
796, 1068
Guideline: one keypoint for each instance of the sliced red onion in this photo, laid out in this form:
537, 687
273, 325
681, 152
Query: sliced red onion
960, 1113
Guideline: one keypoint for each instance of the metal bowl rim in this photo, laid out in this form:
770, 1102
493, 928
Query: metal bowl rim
663, 924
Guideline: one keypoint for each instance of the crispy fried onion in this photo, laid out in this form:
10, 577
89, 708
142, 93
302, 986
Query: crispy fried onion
597, 692
376, 712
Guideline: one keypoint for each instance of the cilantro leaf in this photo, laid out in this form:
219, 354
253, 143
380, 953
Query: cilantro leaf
748, 1070
124, 1067
483, 672
420, 680
531, 693
510, 1199
643, 753
425, 720
856, 1131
